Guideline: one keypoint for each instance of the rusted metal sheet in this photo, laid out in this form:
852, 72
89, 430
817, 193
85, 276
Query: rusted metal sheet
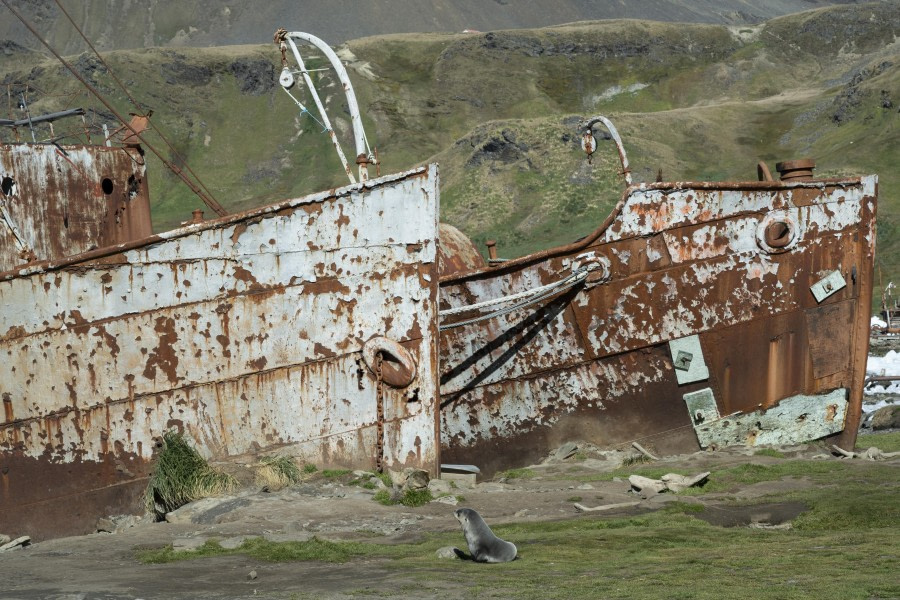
246, 333
684, 259
58, 201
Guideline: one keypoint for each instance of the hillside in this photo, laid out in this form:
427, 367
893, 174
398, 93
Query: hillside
499, 111
146, 23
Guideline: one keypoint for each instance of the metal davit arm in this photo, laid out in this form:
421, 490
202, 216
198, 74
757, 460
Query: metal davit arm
364, 155
588, 144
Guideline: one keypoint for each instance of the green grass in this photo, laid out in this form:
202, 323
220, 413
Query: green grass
843, 546
519, 473
886, 442
383, 497
664, 554
770, 452
411, 498
312, 550
335, 473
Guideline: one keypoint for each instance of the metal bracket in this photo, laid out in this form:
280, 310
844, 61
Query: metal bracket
702, 406
828, 285
687, 358
683, 361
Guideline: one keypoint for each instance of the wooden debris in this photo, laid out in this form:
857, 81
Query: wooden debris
583, 508
643, 451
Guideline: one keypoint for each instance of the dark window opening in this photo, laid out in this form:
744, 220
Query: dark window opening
107, 186
8, 186
133, 187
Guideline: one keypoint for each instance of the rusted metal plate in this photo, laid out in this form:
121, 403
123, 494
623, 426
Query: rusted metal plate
794, 420
246, 333
685, 259
65, 200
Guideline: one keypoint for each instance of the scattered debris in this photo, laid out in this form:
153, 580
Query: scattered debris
646, 486
643, 451
19, 542
118, 523
678, 483
672, 482
463, 475
869, 454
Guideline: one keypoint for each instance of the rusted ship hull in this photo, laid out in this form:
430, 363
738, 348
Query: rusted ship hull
246, 333
698, 315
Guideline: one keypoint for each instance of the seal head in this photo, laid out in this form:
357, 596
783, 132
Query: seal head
484, 546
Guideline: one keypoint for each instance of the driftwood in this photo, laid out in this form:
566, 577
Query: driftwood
643, 451
583, 508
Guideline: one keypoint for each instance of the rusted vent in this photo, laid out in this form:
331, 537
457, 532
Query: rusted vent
796, 169
778, 234
492, 249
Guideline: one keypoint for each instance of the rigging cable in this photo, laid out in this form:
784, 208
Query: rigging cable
209, 201
135, 103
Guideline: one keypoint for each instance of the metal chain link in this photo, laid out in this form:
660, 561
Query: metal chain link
379, 403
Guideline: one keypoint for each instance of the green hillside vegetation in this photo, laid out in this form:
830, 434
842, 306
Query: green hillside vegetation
499, 112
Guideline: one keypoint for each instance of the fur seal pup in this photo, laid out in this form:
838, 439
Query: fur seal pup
484, 546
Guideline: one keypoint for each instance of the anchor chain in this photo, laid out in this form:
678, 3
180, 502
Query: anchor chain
379, 403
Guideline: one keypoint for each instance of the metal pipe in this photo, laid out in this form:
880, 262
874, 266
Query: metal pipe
49, 117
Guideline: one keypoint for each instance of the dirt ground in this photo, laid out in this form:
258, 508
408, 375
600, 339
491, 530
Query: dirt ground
103, 565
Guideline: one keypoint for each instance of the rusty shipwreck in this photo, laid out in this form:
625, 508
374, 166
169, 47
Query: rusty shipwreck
697, 315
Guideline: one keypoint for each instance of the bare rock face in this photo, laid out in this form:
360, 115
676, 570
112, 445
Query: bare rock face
887, 417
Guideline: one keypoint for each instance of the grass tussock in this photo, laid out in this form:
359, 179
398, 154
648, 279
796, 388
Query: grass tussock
277, 472
181, 475
411, 498
636, 459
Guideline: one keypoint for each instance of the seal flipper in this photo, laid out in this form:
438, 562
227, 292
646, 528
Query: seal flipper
462, 555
